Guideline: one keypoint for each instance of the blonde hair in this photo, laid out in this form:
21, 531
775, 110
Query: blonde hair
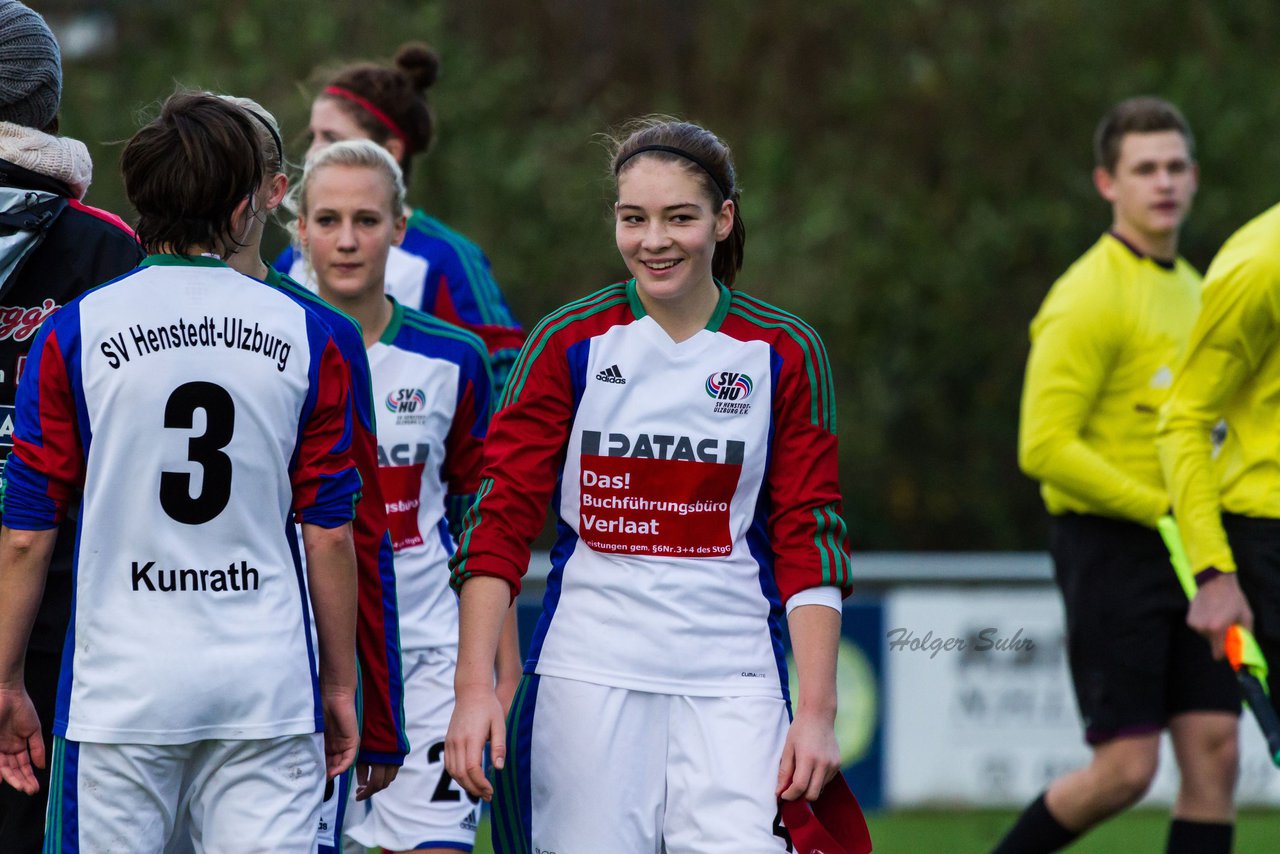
268, 130
362, 153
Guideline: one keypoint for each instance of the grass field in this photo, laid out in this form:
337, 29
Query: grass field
975, 831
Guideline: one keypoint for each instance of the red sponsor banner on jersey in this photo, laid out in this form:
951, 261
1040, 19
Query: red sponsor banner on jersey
672, 508
401, 487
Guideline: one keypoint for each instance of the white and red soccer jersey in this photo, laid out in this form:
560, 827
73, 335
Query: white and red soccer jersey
197, 410
431, 393
695, 484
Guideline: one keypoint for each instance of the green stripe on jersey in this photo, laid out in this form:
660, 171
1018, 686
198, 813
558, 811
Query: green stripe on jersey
53, 811
830, 531
458, 568
822, 405
424, 322
809, 334
480, 279
509, 824
553, 323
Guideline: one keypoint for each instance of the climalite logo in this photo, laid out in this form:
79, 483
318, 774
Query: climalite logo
729, 390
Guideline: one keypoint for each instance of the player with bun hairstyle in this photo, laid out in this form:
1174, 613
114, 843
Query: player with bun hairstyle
189, 412
436, 269
686, 434
433, 386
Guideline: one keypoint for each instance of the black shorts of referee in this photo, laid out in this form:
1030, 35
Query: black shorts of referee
1255, 544
1134, 662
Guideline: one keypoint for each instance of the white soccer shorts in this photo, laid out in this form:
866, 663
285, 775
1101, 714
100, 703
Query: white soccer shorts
221, 795
594, 768
423, 807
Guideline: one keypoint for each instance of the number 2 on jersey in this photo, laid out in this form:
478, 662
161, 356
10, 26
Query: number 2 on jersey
205, 450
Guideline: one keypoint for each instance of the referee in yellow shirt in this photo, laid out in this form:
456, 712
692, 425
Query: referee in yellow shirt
1103, 348
1227, 499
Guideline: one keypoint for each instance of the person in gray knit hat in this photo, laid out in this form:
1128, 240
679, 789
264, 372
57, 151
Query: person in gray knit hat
30, 68
53, 247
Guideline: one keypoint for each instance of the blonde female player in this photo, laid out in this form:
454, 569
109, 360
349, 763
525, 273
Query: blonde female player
435, 268
431, 390
686, 435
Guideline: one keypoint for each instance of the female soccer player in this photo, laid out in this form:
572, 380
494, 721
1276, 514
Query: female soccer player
383, 741
435, 268
432, 388
686, 433
190, 412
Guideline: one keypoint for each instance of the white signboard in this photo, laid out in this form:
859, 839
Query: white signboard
980, 708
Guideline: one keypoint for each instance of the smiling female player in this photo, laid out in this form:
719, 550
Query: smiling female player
686, 435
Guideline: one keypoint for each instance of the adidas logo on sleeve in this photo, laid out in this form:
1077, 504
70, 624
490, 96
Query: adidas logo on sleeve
611, 374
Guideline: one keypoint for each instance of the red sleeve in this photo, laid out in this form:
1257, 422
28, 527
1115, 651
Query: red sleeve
382, 736
806, 521
325, 484
46, 469
523, 455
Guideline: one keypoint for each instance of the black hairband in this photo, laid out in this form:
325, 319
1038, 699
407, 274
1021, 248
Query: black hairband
275, 135
679, 152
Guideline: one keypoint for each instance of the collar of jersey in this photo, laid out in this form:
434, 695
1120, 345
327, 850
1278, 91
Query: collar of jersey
717, 316
167, 260
389, 334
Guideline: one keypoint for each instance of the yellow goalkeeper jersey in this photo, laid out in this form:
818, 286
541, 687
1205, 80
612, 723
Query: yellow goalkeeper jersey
1231, 372
1103, 347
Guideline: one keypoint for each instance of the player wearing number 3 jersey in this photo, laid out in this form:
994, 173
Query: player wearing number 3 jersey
191, 411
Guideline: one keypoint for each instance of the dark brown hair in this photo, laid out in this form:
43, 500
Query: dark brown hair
706, 157
1143, 114
397, 92
186, 171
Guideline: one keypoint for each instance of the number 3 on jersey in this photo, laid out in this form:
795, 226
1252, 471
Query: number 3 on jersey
205, 450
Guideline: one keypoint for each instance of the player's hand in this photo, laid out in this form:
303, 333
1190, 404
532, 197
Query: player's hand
1218, 605
341, 730
810, 758
21, 744
477, 719
373, 777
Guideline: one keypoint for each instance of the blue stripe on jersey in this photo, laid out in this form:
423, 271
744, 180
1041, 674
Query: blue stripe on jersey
566, 540
75, 377
291, 535
53, 808
342, 791
70, 797
759, 544
62, 707
62, 820
442, 528
512, 816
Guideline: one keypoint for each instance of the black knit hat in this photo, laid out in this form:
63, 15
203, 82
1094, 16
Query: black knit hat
30, 68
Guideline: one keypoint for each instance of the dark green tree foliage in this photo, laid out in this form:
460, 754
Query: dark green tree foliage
916, 174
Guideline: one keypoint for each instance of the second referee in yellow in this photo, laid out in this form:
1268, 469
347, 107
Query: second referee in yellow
1103, 348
